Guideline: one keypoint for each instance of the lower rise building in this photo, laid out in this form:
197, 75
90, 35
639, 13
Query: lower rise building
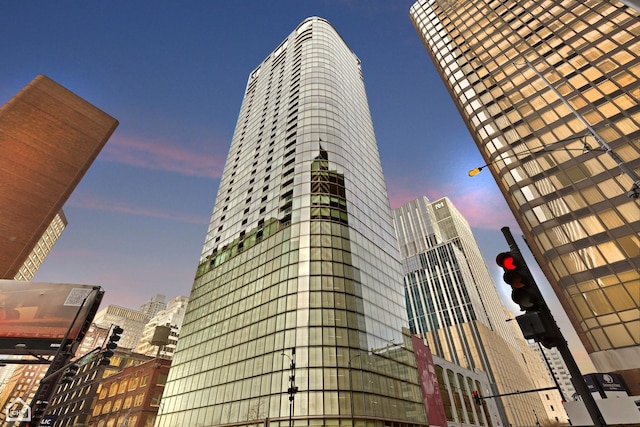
74, 401
131, 397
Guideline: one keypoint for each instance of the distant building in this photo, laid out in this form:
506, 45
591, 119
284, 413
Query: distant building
153, 306
172, 316
558, 369
42, 248
132, 321
456, 386
49, 138
23, 384
131, 397
453, 304
7, 371
551, 399
95, 337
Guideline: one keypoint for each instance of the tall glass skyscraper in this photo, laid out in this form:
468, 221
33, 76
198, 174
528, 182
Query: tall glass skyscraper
453, 304
550, 93
300, 256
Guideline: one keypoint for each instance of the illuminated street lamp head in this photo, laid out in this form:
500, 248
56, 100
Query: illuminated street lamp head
476, 171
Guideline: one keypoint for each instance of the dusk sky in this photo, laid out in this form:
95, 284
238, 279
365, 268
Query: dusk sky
174, 74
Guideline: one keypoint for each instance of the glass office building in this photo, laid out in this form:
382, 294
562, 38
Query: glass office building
550, 93
453, 304
300, 262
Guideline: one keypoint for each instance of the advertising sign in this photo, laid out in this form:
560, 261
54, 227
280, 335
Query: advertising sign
35, 317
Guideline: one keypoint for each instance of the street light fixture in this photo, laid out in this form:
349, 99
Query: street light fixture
586, 147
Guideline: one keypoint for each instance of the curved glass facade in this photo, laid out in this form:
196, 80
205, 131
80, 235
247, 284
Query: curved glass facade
530, 78
300, 255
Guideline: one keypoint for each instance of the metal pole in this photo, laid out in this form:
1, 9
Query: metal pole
555, 380
351, 387
633, 192
292, 384
563, 347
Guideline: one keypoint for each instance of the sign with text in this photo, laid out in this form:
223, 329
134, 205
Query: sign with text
35, 317
48, 421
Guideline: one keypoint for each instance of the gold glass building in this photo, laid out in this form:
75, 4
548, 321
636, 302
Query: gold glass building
300, 255
549, 91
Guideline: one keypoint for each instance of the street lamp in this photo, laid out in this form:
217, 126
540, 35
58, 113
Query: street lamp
545, 149
351, 385
292, 383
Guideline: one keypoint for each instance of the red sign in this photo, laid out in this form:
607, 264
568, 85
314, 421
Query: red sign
429, 380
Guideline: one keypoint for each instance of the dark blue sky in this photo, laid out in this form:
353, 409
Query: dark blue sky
174, 73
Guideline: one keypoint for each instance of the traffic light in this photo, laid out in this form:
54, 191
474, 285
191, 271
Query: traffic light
476, 397
112, 344
516, 274
68, 375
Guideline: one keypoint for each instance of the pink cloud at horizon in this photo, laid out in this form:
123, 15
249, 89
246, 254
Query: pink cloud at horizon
163, 156
482, 206
122, 284
104, 205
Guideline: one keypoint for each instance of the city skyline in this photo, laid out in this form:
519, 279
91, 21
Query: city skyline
175, 126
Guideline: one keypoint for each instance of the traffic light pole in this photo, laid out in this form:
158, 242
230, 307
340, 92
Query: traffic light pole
561, 343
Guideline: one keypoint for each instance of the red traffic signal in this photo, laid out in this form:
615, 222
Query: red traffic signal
507, 261
524, 290
476, 397
512, 265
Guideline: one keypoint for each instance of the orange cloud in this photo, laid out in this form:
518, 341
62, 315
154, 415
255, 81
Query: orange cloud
163, 156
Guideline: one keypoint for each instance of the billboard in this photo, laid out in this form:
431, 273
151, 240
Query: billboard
35, 317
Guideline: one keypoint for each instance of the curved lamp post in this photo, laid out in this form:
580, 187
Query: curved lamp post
545, 149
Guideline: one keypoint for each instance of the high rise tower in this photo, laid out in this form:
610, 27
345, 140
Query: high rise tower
550, 93
49, 137
300, 275
453, 303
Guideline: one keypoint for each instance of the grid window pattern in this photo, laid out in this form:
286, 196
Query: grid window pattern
511, 66
300, 254
453, 303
